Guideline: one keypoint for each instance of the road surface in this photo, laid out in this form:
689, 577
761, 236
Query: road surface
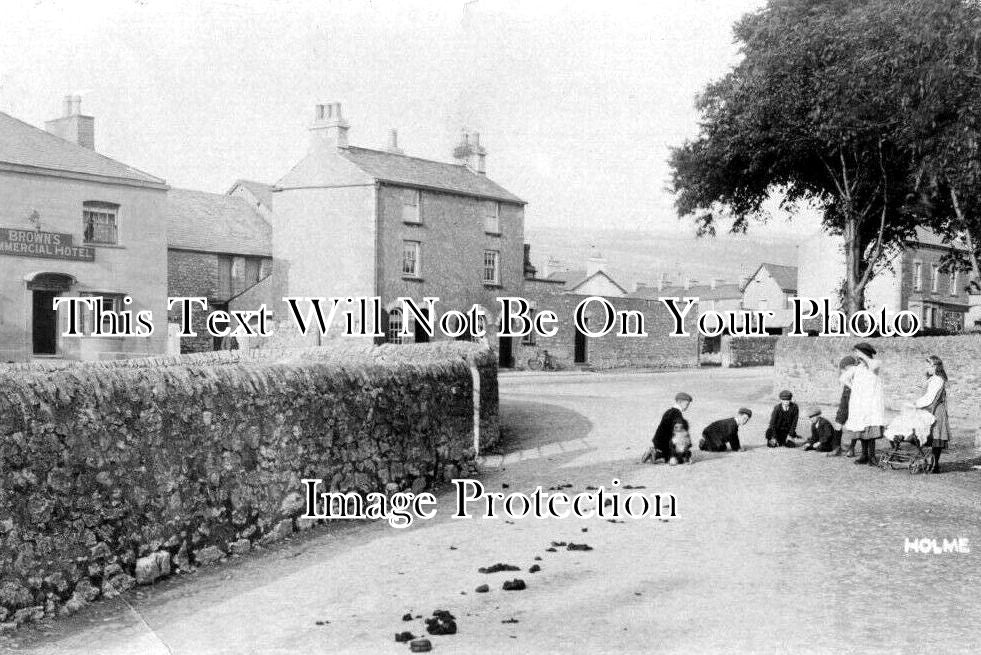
773, 551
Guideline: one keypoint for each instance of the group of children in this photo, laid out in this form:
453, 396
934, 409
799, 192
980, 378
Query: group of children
860, 418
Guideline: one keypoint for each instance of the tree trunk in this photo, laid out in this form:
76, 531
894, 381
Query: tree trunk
854, 289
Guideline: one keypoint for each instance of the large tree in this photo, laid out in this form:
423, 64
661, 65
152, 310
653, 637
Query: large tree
941, 124
812, 112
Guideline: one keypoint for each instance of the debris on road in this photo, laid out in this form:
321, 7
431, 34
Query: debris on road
534, 569
579, 547
498, 567
404, 636
420, 646
514, 585
482, 589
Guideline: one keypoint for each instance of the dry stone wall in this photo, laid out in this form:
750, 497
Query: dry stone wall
117, 474
809, 367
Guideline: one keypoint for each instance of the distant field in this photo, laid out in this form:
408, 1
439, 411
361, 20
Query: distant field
637, 256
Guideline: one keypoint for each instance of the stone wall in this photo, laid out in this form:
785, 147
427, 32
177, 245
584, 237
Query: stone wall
808, 367
192, 274
116, 474
748, 351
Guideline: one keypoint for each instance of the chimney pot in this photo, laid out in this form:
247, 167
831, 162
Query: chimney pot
329, 127
393, 142
72, 125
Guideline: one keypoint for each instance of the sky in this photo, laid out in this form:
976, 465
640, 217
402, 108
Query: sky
577, 103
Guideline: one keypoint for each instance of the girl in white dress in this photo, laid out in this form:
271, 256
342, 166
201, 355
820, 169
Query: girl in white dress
867, 403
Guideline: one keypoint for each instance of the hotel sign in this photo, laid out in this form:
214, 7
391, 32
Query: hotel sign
48, 245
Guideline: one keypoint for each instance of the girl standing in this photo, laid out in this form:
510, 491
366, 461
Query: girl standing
934, 400
867, 403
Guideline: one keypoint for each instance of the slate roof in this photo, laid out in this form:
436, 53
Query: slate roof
701, 291
212, 222
263, 192
575, 278
23, 145
785, 276
413, 171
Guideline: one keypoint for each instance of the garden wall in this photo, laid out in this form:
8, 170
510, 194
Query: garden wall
747, 351
118, 473
809, 367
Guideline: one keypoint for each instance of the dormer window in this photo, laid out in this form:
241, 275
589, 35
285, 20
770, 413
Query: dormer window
99, 223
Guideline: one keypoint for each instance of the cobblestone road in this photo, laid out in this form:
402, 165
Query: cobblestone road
773, 551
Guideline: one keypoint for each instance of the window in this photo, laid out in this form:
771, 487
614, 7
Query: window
935, 284
393, 333
529, 339
918, 276
99, 223
492, 217
411, 199
491, 268
111, 305
410, 258
953, 283
265, 268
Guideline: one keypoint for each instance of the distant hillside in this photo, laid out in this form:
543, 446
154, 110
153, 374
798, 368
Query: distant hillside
641, 256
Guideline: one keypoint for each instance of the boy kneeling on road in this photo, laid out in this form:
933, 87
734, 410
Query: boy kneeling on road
783, 422
822, 432
724, 432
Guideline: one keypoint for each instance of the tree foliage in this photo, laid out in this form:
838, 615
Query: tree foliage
828, 104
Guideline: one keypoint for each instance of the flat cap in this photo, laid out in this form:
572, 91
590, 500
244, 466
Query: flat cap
786, 395
865, 348
813, 411
747, 411
847, 361
682, 396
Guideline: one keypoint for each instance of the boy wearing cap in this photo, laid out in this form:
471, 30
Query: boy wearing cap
783, 422
822, 432
724, 432
867, 402
665, 429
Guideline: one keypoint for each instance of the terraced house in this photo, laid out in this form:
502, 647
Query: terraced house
74, 222
352, 221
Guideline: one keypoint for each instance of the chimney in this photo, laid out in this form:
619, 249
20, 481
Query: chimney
393, 142
662, 281
470, 153
530, 269
73, 126
595, 263
481, 155
688, 282
713, 282
329, 129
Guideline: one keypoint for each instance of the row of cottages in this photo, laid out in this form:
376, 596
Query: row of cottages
912, 279
348, 221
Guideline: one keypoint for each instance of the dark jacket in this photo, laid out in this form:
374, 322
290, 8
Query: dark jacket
822, 434
783, 423
842, 415
662, 435
718, 434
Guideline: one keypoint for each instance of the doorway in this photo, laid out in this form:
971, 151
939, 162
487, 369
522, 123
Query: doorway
580, 354
44, 322
421, 336
505, 352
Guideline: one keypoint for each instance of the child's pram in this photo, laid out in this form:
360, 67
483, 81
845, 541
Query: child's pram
907, 434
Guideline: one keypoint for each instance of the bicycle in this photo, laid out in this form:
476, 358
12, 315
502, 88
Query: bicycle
541, 362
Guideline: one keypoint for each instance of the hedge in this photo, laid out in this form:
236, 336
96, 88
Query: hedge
120, 472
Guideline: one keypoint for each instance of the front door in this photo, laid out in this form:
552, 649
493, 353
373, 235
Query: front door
505, 355
44, 322
580, 348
